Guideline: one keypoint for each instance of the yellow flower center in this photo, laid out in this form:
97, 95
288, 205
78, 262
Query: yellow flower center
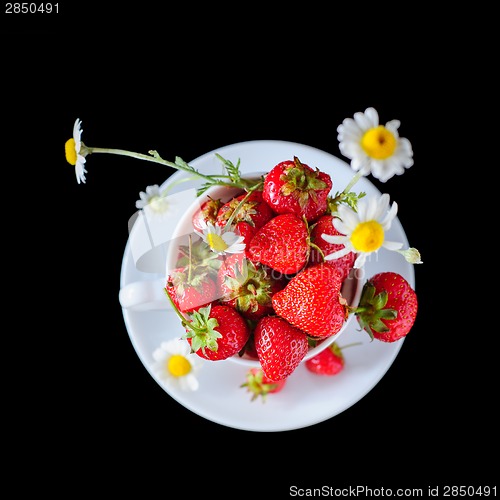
379, 143
178, 365
216, 242
368, 236
70, 148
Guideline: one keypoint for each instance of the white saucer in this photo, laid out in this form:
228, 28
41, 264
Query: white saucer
307, 399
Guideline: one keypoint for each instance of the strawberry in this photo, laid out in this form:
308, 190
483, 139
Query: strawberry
280, 347
190, 292
388, 307
294, 187
206, 213
247, 286
282, 244
259, 385
329, 361
247, 212
312, 301
321, 248
253, 210
216, 332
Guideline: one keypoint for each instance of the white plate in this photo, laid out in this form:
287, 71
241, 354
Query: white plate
307, 399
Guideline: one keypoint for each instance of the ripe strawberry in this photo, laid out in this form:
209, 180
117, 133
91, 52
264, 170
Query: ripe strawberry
191, 292
388, 307
216, 332
294, 187
246, 286
254, 211
329, 361
282, 244
206, 213
312, 301
246, 218
324, 225
259, 385
280, 347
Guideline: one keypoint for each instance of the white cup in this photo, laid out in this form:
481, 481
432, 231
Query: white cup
150, 294
147, 295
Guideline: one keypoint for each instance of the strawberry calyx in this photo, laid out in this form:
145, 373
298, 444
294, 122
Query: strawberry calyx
371, 310
249, 285
259, 385
301, 183
242, 210
243, 203
201, 329
199, 326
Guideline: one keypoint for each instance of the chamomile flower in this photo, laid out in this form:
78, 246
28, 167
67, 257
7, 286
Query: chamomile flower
152, 199
219, 240
374, 148
363, 232
176, 366
73, 148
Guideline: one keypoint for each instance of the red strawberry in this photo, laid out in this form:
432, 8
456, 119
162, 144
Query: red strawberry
282, 244
294, 187
216, 332
191, 292
312, 301
388, 307
247, 218
259, 385
247, 286
254, 211
324, 225
206, 213
280, 347
329, 361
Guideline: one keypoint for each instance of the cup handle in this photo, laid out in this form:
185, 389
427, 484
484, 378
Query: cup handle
147, 295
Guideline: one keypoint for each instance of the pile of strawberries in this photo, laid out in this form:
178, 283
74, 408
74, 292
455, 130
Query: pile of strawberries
279, 297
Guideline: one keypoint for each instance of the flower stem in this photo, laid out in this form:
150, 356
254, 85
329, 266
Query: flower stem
351, 184
155, 158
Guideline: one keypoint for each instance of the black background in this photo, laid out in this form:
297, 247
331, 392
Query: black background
88, 409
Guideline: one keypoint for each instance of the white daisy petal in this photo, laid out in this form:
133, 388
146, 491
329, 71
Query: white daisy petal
77, 135
404, 146
80, 170
392, 245
380, 207
360, 261
338, 254
189, 383
364, 122
349, 128
347, 221
335, 239
371, 116
387, 220
393, 126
